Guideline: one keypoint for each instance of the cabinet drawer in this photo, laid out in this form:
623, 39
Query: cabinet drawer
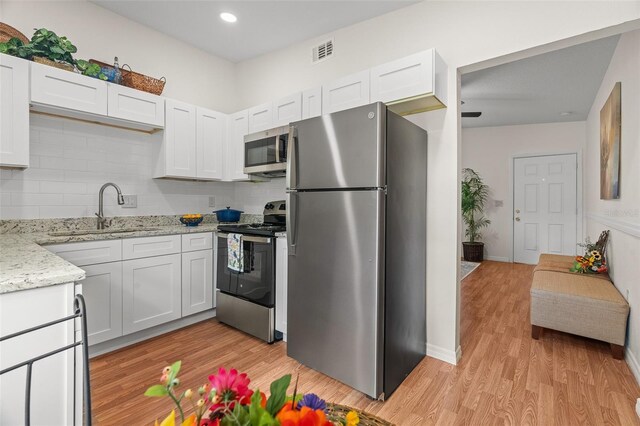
136, 248
89, 252
55, 87
133, 105
199, 241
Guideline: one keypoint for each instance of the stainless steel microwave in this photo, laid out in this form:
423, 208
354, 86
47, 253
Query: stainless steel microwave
265, 153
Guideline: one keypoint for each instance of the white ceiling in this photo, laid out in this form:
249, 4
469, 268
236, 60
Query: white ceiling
262, 26
540, 88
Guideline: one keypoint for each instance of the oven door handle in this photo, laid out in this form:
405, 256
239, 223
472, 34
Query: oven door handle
249, 238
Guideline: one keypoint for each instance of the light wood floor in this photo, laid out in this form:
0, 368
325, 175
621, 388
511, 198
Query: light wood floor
504, 376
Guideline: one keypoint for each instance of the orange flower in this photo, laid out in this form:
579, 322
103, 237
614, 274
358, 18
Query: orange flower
303, 417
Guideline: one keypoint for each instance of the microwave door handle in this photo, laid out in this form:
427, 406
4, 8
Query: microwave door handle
292, 167
277, 148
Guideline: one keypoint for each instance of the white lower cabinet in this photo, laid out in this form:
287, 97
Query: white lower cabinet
55, 399
151, 292
102, 290
197, 281
281, 286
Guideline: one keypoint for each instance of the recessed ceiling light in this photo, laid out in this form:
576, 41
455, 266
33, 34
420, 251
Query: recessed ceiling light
565, 113
228, 17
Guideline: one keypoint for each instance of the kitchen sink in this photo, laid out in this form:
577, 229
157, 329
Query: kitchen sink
99, 231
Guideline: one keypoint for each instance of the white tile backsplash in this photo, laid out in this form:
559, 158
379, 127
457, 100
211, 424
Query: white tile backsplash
71, 160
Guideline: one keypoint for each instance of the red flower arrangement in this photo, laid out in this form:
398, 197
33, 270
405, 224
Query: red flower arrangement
227, 400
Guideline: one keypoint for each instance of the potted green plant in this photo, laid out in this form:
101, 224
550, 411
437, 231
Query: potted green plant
90, 69
474, 196
15, 47
50, 49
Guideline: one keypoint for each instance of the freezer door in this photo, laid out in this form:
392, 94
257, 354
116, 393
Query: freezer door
336, 285
340, 150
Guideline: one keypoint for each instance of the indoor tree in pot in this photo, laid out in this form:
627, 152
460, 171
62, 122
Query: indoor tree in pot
474, 195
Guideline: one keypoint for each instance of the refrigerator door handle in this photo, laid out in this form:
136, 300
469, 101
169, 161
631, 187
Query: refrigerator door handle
292, 167
292, 200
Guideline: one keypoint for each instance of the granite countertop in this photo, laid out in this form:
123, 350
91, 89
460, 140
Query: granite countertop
25, 264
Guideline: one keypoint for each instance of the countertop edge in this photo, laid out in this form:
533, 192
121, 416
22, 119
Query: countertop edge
33, 264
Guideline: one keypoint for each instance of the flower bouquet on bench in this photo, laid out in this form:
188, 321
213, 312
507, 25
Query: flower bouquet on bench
593, 261
227, 400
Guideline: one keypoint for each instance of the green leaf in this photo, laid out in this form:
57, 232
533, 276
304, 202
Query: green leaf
257, 414
157, 390
175, 369
278, 394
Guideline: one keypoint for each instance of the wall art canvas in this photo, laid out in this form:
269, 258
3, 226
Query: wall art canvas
610, 128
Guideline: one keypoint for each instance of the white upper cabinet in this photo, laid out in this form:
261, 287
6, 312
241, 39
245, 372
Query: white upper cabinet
178, 154
63, 89
14, 112
411, 84
347, 92
238, 128
210, 138
287, 110
261, 117
312, 103
134, 105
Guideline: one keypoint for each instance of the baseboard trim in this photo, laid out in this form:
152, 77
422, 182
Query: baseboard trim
630, 228
446, 355
498, 259
633, 364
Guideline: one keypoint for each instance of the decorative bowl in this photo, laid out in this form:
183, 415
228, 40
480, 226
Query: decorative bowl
191, 219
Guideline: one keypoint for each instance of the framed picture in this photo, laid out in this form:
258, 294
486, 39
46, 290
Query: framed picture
610, 127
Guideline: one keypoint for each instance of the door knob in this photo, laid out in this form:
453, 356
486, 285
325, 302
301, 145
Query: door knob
517, 219
517, 210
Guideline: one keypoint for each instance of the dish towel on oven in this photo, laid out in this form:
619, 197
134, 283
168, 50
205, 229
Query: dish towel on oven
235, 253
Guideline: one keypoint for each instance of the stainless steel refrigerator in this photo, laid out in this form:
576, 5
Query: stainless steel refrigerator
356, 234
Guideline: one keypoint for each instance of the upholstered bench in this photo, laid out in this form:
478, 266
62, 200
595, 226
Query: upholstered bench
586, 305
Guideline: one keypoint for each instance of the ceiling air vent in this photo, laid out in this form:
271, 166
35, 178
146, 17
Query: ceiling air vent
322, 51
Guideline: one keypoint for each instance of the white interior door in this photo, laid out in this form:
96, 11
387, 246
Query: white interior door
544, 206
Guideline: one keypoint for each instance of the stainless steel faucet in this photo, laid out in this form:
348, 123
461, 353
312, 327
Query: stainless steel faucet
101, 219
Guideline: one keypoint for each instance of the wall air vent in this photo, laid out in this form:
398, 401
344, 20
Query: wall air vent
322, 51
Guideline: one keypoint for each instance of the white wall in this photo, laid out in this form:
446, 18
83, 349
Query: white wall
192, 75
70, 161
464, 33
490, 150
621, 216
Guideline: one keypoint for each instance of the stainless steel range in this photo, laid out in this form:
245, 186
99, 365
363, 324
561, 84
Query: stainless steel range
246, 294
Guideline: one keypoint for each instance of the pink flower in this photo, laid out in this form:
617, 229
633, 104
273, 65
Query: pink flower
230, 387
